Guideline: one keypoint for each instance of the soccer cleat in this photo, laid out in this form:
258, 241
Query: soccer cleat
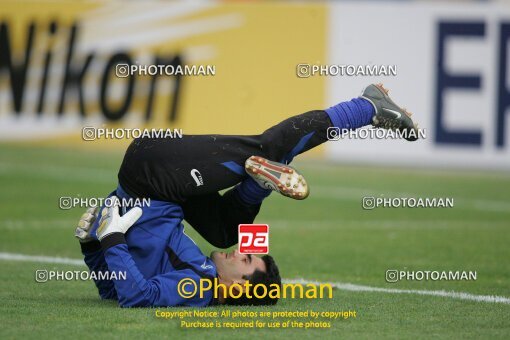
278, 177
389, 115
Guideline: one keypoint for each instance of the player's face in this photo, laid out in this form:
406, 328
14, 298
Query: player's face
233, 266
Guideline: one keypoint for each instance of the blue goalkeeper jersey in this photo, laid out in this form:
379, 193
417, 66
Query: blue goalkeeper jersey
156, 254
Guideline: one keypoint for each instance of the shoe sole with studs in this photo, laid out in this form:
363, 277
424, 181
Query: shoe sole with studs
278, 177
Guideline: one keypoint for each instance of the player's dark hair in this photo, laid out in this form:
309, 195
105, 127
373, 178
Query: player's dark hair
267, 278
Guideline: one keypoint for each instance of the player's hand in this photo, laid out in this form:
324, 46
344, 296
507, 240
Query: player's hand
111, 222
84, 228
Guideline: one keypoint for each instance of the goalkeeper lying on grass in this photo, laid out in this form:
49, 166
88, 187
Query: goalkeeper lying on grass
182, 178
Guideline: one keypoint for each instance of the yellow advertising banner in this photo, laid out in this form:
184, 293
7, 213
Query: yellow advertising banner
204, 68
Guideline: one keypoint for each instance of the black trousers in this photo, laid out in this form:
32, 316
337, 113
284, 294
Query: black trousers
190, 171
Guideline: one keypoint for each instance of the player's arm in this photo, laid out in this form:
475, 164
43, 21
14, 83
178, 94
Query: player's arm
133, 289
93, 254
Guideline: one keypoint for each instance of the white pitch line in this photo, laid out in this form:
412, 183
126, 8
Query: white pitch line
342, 286
43, 259
443, 293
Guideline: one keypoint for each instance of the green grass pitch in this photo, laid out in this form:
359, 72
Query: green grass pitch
327, 237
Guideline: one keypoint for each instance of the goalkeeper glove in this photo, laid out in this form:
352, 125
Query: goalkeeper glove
111, 222
84, 228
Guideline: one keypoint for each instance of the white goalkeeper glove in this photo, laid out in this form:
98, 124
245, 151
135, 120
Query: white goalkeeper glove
84, 228
111, 222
